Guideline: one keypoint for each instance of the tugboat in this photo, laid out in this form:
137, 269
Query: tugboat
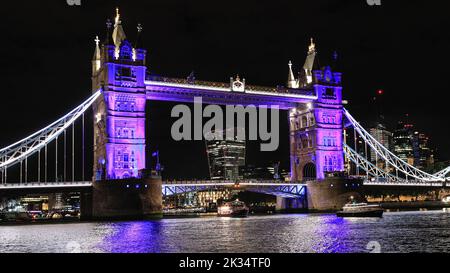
233, 209
360, 210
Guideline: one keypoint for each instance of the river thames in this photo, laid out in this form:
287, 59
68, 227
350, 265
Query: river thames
295, 233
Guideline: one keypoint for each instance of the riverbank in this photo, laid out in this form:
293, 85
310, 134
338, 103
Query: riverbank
414, 206
387, 206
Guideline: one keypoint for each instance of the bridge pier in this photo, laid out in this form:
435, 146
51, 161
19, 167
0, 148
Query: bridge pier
86, 205
285, 204
333, 193
127, 199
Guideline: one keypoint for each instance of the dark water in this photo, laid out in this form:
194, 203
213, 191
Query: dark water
396, 232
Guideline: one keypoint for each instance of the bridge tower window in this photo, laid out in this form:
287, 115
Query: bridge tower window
304, 122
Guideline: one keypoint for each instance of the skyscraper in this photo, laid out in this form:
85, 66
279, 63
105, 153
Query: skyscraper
403, 142
426, 154
383, 136
413, 146
225, 155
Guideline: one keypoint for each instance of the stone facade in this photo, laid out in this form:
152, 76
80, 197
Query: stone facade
119, 114
316, 138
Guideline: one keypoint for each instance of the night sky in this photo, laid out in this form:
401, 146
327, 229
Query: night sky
401, 47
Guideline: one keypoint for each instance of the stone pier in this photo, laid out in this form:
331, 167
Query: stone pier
333, 193
127, 199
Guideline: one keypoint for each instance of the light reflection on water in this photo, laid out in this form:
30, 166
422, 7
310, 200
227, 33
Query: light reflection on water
396, 232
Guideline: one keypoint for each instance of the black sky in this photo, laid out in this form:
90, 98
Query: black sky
401, 47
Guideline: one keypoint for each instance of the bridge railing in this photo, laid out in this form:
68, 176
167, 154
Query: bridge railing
46, 184
222, 182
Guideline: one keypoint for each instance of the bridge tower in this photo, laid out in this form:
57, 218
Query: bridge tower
118, 68
316, 129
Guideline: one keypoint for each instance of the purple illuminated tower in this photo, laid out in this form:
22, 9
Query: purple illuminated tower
316, 130
118, 68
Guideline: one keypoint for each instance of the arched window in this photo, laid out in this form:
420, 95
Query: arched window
304, 122
304, 142
309, 171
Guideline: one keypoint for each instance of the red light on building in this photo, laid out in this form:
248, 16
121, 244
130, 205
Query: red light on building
380, 92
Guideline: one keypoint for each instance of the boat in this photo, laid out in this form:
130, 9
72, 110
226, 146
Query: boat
233, 209
361, 210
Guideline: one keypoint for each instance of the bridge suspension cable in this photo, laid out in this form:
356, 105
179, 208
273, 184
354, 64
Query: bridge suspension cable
443, 173
21, 150
383, 153
369, 167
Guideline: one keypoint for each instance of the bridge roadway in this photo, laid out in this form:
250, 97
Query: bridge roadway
279, 188
183, 90
274, 187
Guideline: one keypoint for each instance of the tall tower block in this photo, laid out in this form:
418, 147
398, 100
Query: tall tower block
316, 129
118, 68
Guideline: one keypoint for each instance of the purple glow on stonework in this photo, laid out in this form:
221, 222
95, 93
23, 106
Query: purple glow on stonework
125, 115
125, 125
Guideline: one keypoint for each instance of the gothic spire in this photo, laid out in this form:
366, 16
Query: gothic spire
97, 55
310, 61
96, 60
138, 43
118, 33
292, 82
108, 31
336, 65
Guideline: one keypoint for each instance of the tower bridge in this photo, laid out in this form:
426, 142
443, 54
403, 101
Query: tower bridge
319, 126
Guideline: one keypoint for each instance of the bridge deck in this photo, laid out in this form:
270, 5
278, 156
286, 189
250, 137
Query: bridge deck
43, 185
183, 90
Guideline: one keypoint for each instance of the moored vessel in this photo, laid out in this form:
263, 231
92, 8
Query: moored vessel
233, 209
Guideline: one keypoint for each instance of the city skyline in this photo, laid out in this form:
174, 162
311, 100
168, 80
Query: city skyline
266, 66
185, 127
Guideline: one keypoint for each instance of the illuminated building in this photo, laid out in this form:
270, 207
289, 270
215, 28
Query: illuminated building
316, 139
383, 136
403, 142
225, 155
426, 156
119, 124
267, 172
413, 146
